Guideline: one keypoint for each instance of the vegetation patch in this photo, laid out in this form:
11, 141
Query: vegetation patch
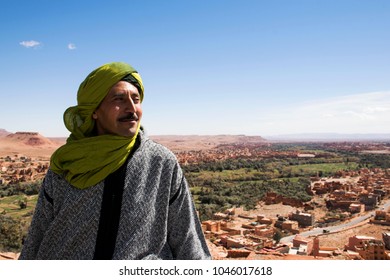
15, 217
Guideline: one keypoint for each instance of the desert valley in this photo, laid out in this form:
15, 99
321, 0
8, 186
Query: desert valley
257, 199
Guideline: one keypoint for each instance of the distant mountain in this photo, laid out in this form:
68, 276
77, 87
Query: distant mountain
4, 132
28, 143
203, 142
29, 138
330, 137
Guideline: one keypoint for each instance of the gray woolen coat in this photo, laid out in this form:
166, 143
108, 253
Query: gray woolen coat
157, 220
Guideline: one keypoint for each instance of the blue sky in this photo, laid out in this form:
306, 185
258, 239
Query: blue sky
252, 67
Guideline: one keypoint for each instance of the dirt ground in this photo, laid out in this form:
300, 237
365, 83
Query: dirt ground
341, 238
10, 147
16, 144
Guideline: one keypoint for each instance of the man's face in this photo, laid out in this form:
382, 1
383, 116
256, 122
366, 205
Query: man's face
120, 111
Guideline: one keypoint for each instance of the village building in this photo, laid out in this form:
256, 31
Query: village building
373, 250
240, 254
220, 216
386, 239
303, 219
263, 231
212, 226
261, 219
277, 249
19, 169
368, 247
357, 241
356, 208
306, 155
301, 246
237, 242
326, 252
369, 200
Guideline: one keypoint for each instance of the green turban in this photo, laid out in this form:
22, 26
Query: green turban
92, 90
86, 159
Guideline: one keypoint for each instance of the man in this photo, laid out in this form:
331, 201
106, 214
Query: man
110, 192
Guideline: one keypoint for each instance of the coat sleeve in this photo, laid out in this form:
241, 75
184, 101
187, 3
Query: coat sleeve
185, 235
43, 215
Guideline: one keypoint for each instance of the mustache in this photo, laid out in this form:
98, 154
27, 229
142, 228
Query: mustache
129, 117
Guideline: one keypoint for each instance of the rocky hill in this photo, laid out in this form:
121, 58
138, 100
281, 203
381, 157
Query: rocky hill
4, 132
29, 139
27, 143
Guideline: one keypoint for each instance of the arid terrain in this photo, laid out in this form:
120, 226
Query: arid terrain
35, 145
30, 144
180, 143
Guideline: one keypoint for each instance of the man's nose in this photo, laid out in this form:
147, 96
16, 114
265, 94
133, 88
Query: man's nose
130, 106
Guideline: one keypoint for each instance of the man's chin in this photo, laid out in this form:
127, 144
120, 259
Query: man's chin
130, 133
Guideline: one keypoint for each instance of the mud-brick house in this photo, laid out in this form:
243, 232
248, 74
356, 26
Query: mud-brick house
356, 208
386, 239
368, 247
303, 219
212, 226
373, 250
369, 200
302, 245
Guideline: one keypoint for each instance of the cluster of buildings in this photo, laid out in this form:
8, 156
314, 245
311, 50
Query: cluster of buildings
240, 235
363, 194
358, 247
354, 146
240, 151
262, 150
18, 168
368, 248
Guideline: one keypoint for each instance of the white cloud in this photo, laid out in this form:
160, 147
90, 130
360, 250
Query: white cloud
328, 115
360, 113
376, 109
71, 46
30, 44
354, 114
371, 106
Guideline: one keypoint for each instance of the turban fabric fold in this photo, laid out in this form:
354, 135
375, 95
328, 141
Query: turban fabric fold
86, 159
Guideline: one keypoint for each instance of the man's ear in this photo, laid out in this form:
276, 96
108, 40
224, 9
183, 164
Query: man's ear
94, 115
